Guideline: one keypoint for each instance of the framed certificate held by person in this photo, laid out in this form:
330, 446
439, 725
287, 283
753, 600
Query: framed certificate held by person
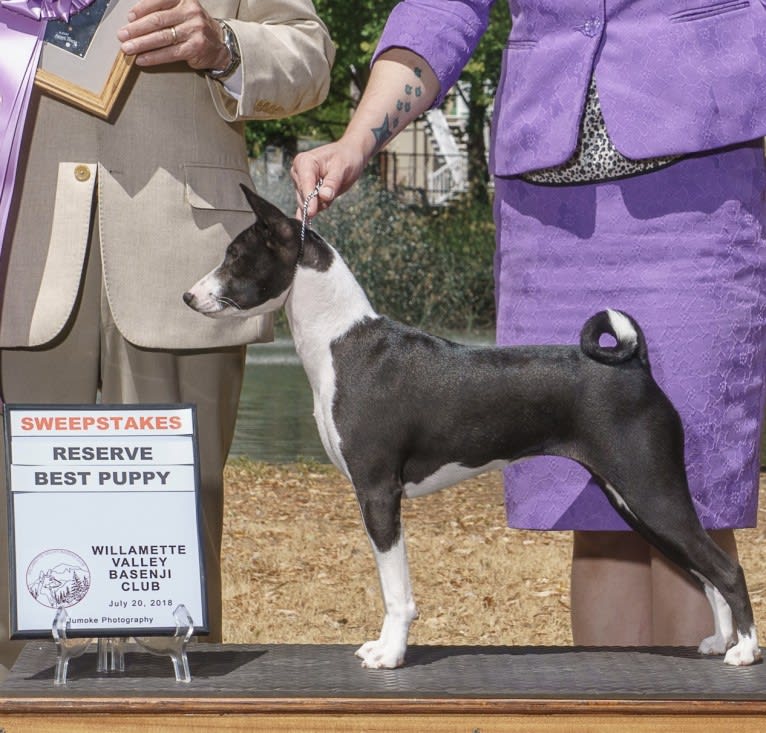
81, 61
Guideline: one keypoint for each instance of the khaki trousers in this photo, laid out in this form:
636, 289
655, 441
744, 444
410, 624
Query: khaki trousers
91, 358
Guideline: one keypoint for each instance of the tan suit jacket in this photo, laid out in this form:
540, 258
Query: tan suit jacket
161, 181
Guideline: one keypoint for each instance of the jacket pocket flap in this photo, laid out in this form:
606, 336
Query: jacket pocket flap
211, 187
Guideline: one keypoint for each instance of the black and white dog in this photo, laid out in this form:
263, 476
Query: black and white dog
402, 413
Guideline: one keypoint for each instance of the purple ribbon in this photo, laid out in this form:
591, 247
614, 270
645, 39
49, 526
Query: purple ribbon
22, 27
56, 10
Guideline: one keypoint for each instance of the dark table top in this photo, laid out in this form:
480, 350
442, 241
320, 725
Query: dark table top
260, 671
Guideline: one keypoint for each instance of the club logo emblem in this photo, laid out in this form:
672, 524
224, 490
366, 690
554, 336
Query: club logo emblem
58, 578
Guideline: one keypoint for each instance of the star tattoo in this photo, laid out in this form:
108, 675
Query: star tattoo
383, 132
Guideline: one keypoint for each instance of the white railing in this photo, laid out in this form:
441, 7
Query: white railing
442, 184
447, 146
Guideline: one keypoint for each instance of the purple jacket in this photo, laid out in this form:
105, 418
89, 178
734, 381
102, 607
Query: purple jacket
674, 76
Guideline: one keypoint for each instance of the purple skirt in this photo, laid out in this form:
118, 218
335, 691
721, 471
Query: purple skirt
682, 250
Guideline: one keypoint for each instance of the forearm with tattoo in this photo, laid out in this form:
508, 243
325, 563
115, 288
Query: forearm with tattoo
402, 112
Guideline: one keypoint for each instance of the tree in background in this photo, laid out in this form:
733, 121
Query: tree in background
355, 26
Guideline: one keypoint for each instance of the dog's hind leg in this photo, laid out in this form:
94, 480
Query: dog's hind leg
381, 514
725, 635
669, 521
726, 590
740, 644
643, 474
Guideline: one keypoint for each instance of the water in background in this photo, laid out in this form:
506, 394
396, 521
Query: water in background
275, 422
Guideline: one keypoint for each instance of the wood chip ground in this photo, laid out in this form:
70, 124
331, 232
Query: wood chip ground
298, 568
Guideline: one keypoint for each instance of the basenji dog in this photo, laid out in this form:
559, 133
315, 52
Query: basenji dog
403, 413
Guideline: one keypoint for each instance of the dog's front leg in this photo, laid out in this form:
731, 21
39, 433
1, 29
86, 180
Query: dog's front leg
388, 650
381, 513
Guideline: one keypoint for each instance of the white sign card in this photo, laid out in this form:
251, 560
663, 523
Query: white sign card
104, 518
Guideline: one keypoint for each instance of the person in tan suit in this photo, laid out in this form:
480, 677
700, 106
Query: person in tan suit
112, 220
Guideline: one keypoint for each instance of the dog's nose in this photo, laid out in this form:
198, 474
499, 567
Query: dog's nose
188, 298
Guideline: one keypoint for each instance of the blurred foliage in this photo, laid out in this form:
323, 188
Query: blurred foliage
430, 268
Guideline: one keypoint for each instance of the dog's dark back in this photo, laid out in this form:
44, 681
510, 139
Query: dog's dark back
445, 391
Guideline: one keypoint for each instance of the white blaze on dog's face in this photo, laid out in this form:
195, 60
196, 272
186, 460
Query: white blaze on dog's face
257, 270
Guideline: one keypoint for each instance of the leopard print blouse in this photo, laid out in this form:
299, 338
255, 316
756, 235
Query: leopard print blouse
595, 158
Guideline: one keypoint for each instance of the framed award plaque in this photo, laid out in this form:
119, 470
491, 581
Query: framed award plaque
81, 61
104, 519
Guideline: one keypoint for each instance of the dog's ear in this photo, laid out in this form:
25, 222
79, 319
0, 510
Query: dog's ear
269, 216
252, 198
262, 208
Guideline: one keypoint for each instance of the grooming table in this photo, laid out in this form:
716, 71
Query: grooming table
309, 688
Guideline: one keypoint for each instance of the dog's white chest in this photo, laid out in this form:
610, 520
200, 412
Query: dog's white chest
317, 361
322, 308
328, 432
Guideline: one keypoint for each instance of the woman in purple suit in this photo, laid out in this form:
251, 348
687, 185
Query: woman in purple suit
629, 173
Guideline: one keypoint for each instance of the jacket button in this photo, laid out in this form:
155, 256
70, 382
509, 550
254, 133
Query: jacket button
82, 172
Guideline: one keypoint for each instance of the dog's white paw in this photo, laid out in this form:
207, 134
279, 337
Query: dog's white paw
377, 655
742, 657
746, 651
716, 645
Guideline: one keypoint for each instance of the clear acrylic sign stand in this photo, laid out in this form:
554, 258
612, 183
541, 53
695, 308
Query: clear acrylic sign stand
111, 650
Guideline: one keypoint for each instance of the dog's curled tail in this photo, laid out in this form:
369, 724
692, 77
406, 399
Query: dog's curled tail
630, 341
